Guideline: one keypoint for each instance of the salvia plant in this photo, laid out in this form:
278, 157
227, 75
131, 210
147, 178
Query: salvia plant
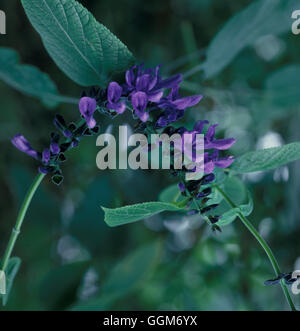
91, 55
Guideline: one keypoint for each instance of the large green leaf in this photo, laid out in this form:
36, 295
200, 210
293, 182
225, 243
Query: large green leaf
84, 49
124, 277
10, 274
267, 159
26, 78
260, 18
137, 212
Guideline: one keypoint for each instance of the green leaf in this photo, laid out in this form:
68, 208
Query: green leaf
137, 212
171, 194
246, 209
124, 277
235, 189
84, 49
282, 86
26, 78
220, 176
237, 192
267, 159
215, 197
258, 19
10, 273
229, 216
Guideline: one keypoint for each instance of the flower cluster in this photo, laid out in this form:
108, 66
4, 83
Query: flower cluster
68, 137
198, 192
144, 92
156, 103
212, 146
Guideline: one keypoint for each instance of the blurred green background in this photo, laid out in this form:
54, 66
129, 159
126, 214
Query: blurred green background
70, 258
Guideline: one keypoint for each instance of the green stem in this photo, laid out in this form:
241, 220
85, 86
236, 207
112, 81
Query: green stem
16, 230
264, 245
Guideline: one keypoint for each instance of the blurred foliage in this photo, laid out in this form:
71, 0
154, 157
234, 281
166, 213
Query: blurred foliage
70, 257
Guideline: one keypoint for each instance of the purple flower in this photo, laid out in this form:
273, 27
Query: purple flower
206, 192
149, 81
221, 162
181, 187
139, 103
67, 133
75, 143
209, 138
174, 107
114, 92
212, 146
212, 160
46, 156
22, 144
60, 124
87, 107
54, 143
43, 170
169, 116
173, 100
211, 142
54, 148
209, 164
208, 179
162, 122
